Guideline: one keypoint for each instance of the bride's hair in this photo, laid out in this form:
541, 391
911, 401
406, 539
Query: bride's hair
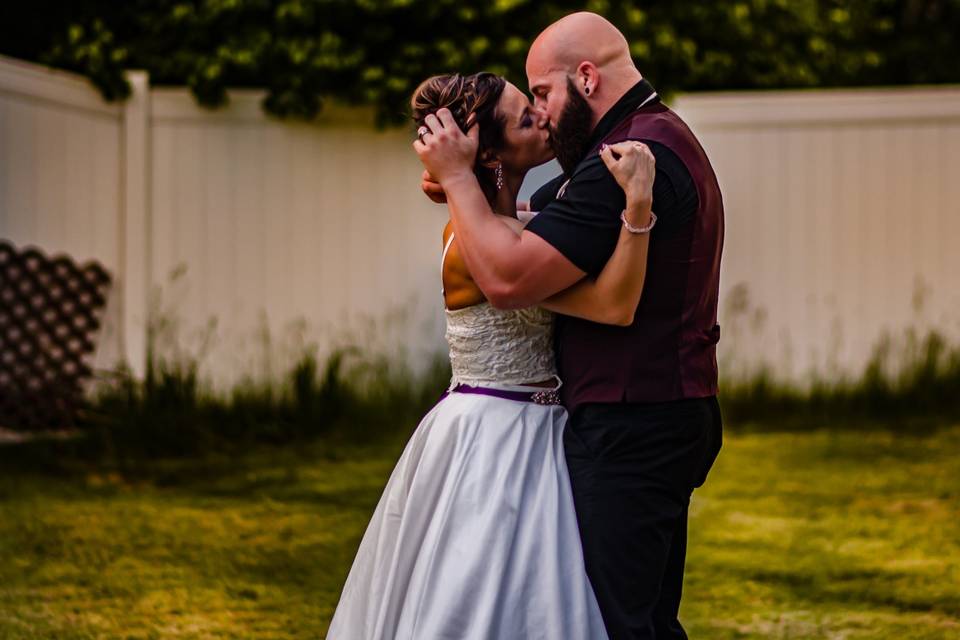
476, 95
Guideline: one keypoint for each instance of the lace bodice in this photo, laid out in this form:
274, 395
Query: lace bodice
490, 345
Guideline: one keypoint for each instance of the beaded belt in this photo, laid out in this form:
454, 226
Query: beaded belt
546, 396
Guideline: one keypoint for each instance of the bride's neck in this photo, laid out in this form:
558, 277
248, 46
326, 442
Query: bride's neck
505, 202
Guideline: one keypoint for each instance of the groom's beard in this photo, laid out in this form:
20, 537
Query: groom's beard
569, 139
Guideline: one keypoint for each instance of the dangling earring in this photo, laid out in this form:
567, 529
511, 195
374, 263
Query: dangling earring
499, 174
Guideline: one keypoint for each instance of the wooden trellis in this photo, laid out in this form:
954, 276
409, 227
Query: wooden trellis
50, 313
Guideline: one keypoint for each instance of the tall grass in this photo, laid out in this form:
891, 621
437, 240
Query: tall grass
357, 398
352, 399
910, 383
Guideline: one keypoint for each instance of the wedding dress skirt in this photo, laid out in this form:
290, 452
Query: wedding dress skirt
475, 536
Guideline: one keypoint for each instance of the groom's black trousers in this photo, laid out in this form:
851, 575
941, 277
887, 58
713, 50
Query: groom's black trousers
633, 468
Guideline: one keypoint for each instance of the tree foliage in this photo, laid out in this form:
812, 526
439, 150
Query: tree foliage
376, 51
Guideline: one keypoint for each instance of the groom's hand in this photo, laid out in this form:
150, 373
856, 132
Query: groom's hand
432, 188
446, 153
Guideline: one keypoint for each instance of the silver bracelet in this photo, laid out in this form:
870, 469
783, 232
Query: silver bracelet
633, 229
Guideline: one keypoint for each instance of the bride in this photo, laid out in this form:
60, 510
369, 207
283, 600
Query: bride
475, 536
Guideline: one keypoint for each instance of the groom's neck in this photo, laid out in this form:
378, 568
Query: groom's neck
615, 86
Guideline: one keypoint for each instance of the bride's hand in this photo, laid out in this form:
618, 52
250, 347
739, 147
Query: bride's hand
444, 150
634, 168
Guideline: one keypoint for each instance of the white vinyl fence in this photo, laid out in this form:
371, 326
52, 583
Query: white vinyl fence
843, 218
248, 240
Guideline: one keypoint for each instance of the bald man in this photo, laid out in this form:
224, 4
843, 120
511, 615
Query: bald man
644, 424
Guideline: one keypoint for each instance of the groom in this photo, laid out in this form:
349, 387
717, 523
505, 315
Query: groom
644, 423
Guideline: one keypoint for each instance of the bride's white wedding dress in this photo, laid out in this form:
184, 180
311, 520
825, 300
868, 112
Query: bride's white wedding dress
475, 536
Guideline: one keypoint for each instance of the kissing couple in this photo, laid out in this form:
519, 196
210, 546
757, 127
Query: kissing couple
546, 495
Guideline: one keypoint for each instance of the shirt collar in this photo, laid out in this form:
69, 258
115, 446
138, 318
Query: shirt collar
638, 95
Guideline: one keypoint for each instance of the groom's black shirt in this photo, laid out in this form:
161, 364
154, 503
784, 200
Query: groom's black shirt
644, 422
584, 224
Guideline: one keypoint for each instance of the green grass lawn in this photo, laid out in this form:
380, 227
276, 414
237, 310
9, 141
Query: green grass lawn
839, 535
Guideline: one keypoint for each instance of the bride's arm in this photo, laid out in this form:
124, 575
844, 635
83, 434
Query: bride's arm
613, 297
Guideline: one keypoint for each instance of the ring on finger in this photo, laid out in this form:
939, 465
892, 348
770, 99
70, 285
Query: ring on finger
422, 131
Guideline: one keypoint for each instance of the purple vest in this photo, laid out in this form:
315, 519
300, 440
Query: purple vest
670, 351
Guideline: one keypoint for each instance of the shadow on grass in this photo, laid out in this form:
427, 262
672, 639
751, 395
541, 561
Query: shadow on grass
857, 586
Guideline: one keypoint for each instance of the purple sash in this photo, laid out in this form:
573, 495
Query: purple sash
546, 396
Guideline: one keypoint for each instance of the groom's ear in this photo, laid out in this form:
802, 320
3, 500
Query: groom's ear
588, 78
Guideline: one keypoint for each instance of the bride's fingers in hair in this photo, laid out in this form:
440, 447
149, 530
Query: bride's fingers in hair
446, 119
473, 133
433, 123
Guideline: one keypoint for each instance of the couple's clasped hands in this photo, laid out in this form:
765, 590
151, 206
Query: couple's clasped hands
448, 154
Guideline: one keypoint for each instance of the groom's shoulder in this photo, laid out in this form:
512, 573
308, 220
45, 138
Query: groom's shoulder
590, 170
546, 194
581, 221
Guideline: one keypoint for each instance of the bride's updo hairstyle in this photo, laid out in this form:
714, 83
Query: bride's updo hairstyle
477, 95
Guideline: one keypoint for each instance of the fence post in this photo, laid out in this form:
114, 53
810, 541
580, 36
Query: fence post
134, 277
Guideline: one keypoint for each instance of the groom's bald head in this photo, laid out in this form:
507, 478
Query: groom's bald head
576, 38
588, 50
578, 68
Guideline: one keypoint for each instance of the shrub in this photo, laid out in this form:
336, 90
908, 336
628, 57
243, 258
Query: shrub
303, 51
910, 384
354, 399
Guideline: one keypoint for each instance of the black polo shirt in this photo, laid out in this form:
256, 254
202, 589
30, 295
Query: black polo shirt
584, 223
